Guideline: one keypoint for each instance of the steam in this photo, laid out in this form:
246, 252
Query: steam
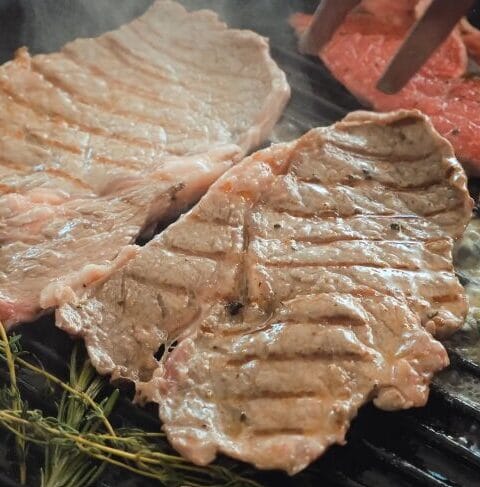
258, 15
46, 25
49, 24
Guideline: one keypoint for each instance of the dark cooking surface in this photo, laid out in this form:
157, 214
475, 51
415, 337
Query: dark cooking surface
435, 446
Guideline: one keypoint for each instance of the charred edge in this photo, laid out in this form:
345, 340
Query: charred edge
369, 180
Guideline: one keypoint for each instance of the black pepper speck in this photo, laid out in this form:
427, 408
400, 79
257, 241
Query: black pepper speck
234, 307
366, 173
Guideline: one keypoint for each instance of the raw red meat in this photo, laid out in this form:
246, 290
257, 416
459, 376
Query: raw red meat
361, 48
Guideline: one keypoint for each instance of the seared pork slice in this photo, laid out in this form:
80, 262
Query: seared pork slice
306, 282
108, 136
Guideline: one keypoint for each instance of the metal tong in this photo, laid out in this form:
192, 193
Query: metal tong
428, 32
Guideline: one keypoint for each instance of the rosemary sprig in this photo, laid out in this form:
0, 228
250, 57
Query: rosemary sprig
127, 450
79, 442
69, 467
69, 389
16, 402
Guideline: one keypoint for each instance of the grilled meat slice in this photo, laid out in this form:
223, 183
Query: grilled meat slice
306, 282
108, 136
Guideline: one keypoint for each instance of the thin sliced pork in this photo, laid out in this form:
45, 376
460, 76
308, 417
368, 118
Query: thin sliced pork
108, 136
306, 282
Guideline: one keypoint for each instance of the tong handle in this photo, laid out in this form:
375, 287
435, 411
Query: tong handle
328, 16
426, 35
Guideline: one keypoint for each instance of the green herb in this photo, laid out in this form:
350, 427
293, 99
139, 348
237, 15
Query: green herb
79, 441
11, 395
70, 467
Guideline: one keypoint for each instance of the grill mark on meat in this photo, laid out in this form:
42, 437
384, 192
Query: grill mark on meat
357, 151
358, 214
318, 356
25, 133
219, 224
123, 294
72, 123
13, 165
244, 291
372, 265
5, 189
338, 320
279, 431
52, 143
365, 183
446, 298
256, 394
347, 151
14, 133
393, 216
315, 218
49, 143
63, 175
346, 238
106, 107
123, 164
322, 215
162, 306
144, 26
332, 321
217, 256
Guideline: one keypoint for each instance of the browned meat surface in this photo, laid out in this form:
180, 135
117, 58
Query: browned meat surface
111, 134
306, 282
